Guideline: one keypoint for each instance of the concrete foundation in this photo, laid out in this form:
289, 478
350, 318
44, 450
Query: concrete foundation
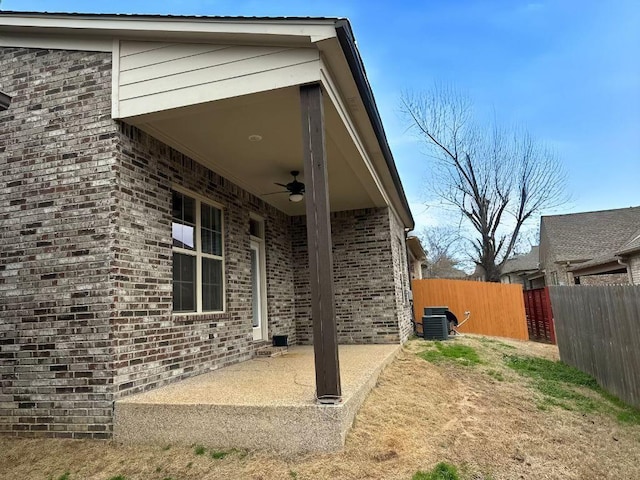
264, 403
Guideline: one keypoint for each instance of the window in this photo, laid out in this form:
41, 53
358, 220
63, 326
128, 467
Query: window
198, 284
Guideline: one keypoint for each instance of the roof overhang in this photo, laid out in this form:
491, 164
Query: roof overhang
605, 266
344, 76
520, 273
288, 30
536, 274
415, 247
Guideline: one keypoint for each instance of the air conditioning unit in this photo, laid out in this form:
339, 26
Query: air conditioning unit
435, 327
435, 310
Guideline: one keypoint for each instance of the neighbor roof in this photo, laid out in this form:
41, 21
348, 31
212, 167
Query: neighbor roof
612, 256
632, 244
585, 236
523, 263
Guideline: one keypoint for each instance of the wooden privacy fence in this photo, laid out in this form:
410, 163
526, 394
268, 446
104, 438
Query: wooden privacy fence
598, 332
496, 309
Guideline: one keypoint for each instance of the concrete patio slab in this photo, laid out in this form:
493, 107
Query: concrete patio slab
264, 403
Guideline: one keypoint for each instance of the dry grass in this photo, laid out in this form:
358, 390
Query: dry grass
482, 418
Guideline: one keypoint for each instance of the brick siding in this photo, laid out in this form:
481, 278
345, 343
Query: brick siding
605, 279
56, 177
364, 262
404, 312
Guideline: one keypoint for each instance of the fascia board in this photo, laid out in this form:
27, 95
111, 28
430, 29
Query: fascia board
311, 30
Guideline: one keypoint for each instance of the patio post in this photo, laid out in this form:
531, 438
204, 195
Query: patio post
325, 335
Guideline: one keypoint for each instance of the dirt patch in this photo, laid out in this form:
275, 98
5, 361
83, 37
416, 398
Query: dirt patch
482, 418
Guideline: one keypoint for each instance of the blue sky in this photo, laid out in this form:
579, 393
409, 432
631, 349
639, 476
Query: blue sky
567, 70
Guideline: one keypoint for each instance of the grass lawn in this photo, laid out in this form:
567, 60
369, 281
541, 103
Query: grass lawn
473, 408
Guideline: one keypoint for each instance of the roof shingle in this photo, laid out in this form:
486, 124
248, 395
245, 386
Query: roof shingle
523, 263
585, 236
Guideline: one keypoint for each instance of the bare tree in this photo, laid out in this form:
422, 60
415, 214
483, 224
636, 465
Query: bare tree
497, 179
445, 250
526, 240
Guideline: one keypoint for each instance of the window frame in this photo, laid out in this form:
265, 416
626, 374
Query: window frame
199, 254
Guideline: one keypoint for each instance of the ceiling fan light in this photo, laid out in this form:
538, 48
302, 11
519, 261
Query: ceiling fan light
296, 197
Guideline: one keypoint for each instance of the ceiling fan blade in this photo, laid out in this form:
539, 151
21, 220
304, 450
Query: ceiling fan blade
280, 184
273, 193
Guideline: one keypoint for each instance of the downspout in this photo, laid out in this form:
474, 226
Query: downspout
626, 265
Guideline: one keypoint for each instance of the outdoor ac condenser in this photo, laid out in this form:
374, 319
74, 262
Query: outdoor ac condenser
435, 327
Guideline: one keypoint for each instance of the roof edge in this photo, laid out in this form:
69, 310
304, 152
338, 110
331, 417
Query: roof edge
168, 17
351, 53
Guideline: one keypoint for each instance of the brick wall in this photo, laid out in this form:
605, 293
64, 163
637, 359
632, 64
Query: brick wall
56, 179
404, 312
154, 347
362, 265
85, 265
605, 279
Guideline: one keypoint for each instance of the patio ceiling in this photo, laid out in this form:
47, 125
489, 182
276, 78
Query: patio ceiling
217, 133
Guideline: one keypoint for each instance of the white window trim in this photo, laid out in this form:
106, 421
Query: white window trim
200, 255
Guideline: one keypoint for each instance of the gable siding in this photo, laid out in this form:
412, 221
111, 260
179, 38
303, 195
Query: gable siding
153, 76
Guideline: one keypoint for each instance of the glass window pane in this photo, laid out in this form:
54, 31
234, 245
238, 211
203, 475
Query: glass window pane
183, 226
189, 210
211, 234
256, 228
211, 284
183, 236
184, 283
176, 204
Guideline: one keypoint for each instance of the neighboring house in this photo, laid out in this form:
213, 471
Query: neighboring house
591, 248
443, 269
417, 257
140, 240
524, 270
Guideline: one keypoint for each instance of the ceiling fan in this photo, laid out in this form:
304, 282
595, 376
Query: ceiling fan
295, 189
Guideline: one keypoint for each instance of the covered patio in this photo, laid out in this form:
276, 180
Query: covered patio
248, 192
264, 403
257, 113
